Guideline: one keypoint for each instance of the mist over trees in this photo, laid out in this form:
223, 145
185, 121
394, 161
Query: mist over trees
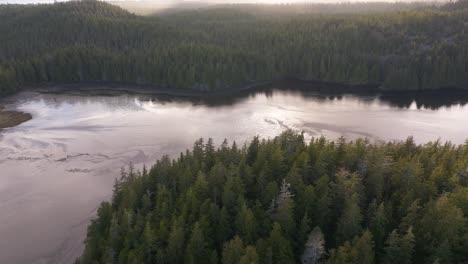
227, 47
282, 200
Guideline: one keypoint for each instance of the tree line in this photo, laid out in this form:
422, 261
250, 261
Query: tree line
227, 47
282, 200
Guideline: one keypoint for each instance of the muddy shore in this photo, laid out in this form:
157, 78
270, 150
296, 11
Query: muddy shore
12, 118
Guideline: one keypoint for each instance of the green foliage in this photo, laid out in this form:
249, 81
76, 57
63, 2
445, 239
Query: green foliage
196, 247
280, 246
328, 204
250, 256
231, 46
399, 249
233, 251
361, 250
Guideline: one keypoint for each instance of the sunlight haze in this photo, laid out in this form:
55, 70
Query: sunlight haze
214, 1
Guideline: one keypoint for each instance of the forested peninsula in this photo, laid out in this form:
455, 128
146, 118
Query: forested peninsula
230, 46
282, 201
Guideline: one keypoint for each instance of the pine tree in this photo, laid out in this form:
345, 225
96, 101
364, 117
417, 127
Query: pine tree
233, 251
378, 224
252, 151
196, 247
359, 251
349, 224
149, 242
224, 228
281, 209
314, 248
304, 230
399, 249
216, 179
175, 248
250, 256
209, 156
364, 247
246, 224
280, 247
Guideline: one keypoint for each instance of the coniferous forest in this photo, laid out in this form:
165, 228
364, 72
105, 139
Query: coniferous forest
227, 47
282, 200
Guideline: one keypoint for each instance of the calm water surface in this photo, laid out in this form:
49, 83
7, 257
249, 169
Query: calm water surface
56, 168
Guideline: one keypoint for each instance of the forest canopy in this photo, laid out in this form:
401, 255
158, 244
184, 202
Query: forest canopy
282, 200
227, 47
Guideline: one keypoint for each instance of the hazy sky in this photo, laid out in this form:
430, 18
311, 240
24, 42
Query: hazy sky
223, 1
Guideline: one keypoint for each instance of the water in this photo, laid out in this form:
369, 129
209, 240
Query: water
56, 168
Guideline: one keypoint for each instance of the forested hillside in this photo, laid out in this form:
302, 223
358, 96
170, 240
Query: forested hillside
284, 201
228, 47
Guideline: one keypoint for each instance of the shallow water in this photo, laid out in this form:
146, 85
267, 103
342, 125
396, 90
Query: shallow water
56, 168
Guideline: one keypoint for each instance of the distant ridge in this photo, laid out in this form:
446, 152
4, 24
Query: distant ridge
232, 46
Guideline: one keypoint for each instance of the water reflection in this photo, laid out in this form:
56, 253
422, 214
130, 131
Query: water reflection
56, 168
427, 100
422, 100
331, 114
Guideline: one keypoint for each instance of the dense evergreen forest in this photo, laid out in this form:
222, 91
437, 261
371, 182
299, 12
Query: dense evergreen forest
227, 47
284, 201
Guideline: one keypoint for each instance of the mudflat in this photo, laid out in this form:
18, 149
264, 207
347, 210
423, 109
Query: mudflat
12, 118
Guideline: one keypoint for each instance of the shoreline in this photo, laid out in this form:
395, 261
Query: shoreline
11, 118
109, 88
326, 88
